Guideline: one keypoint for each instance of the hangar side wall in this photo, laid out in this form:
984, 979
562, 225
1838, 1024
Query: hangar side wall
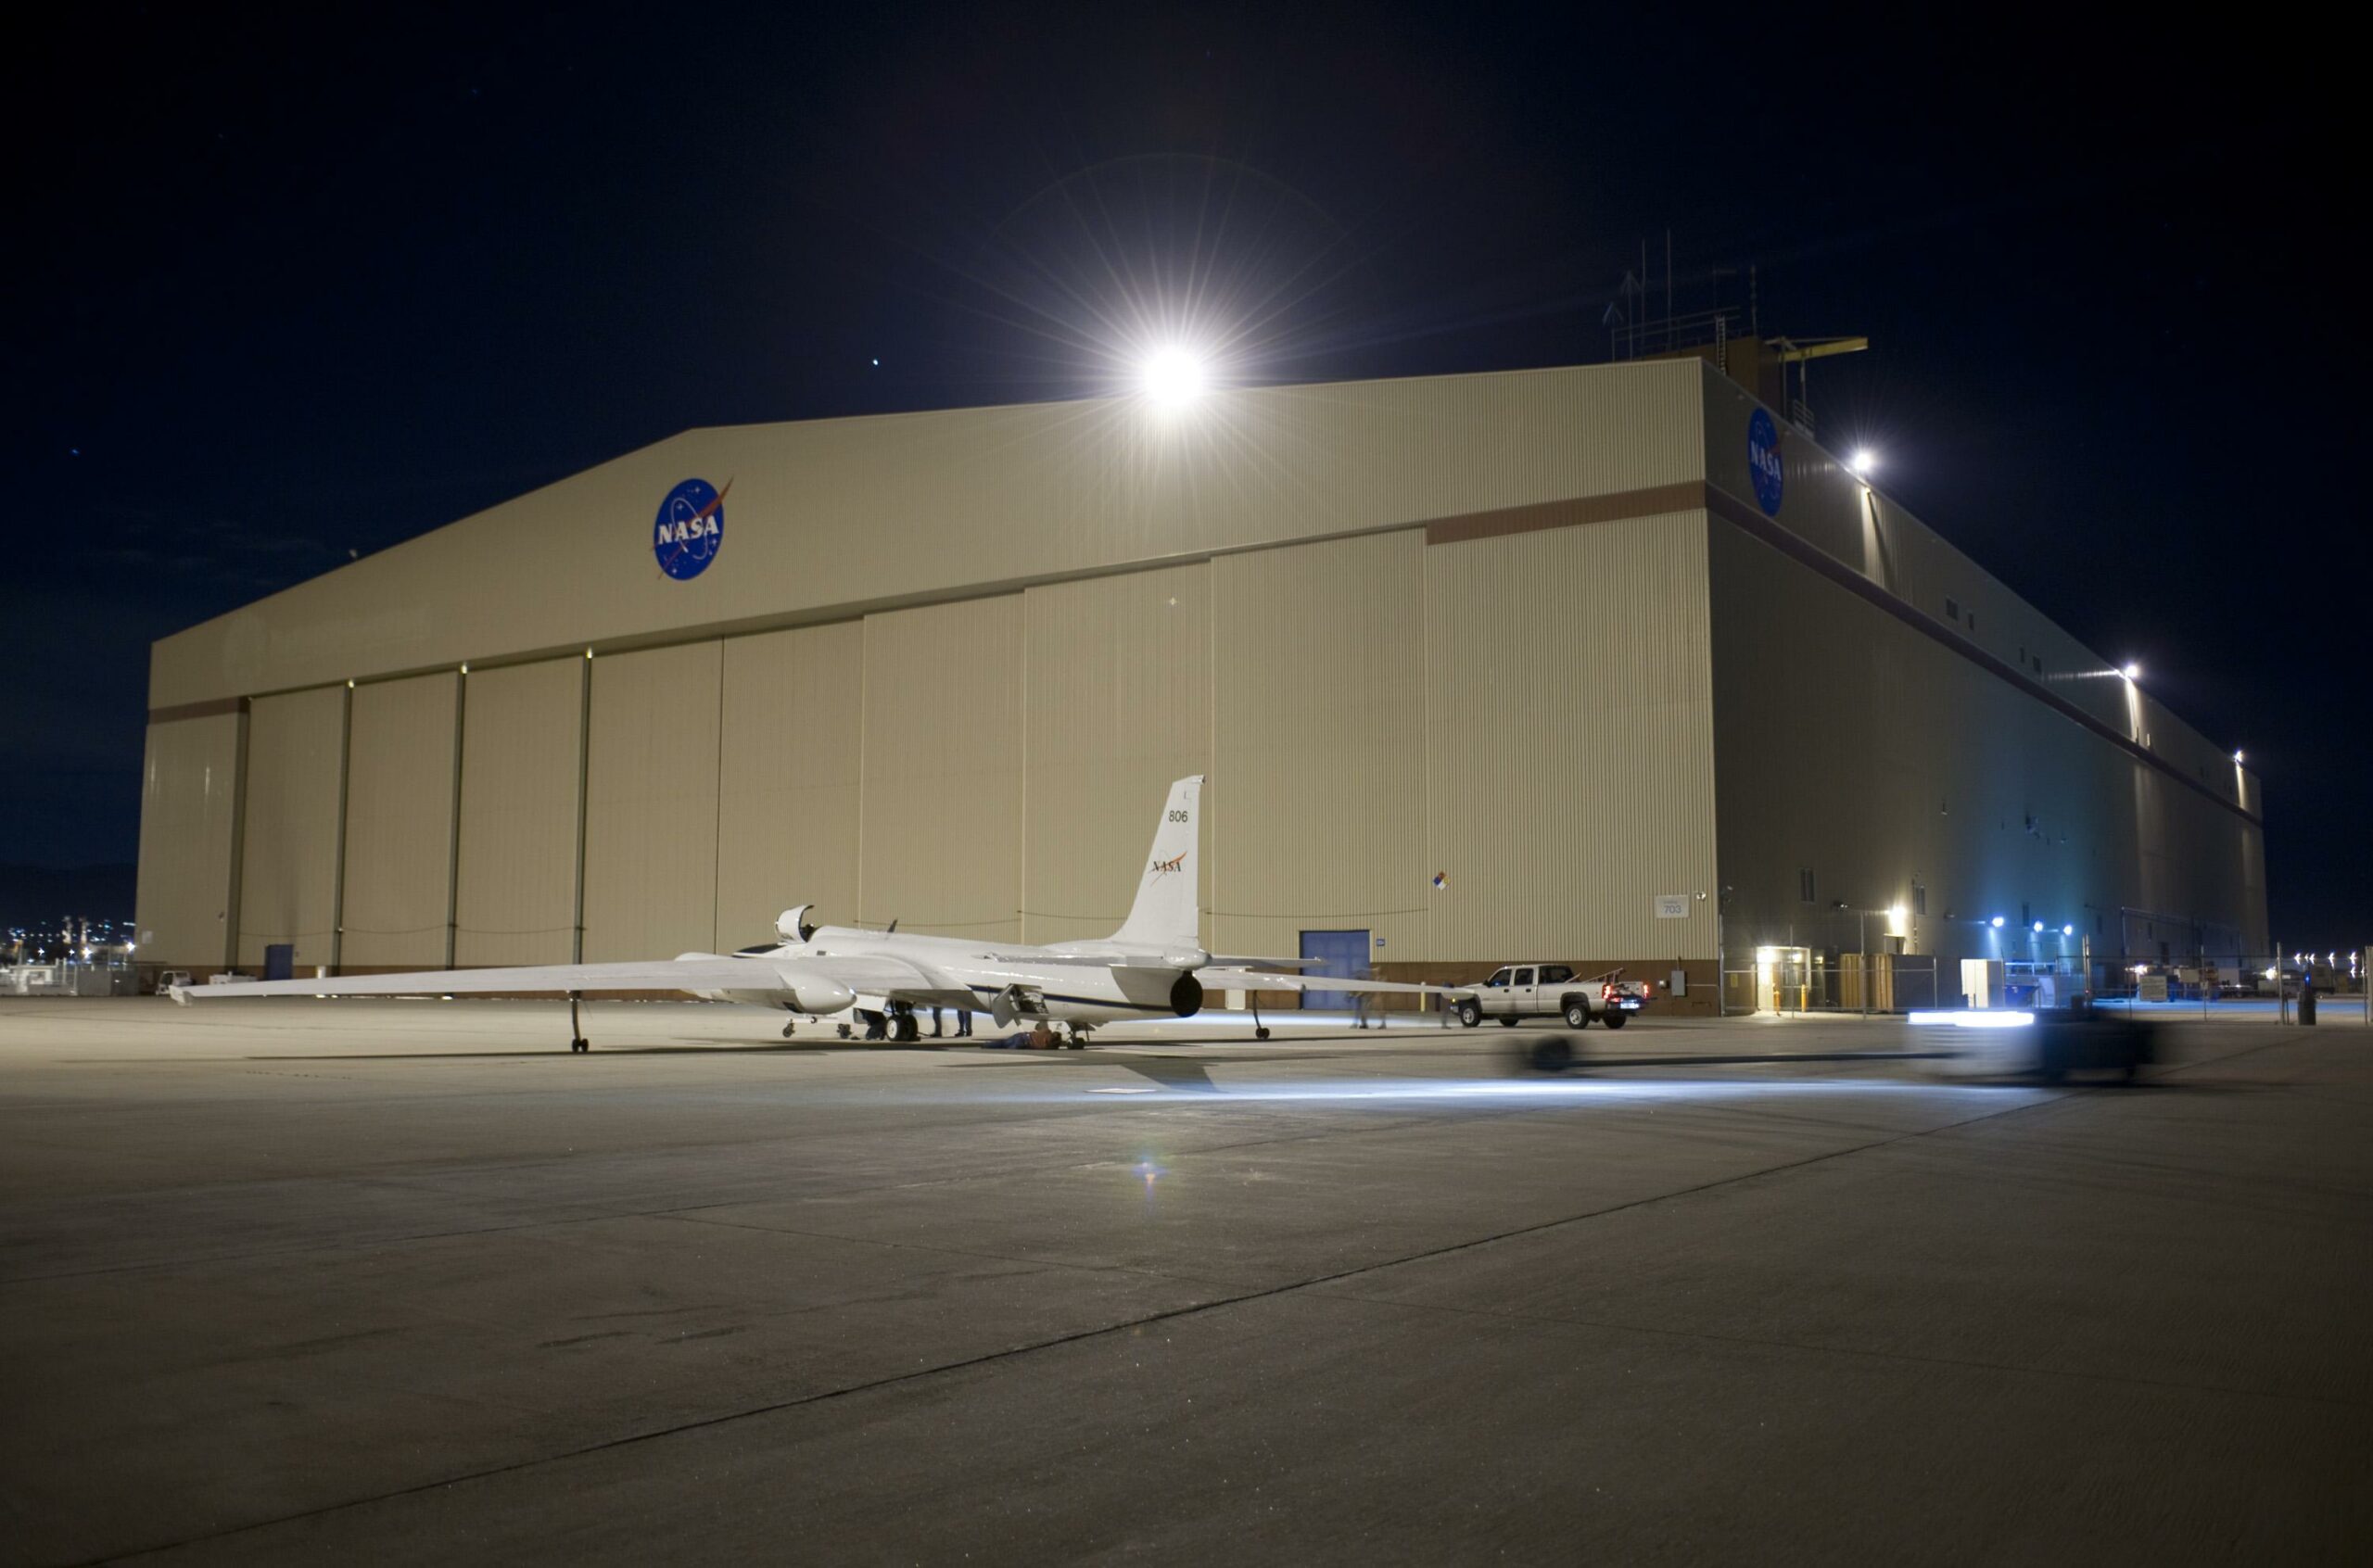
522, 730
1118, 704
651, 802
189, 847
790, 765
941, 814
828, 519
1896, 770
1317, 804
1569, 747
288, 869
401, 795
1831, 512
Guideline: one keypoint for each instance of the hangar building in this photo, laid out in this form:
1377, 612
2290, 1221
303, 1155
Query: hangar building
1607, 665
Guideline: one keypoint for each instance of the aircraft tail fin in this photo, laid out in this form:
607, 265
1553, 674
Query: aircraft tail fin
1164, 914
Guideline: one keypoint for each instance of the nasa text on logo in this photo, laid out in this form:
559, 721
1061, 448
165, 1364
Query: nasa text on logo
1176, 863
691, 528
1763, 460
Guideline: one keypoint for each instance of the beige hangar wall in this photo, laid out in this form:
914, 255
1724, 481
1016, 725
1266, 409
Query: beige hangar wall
289, 847
651, 802
514, 896
399, 799
1896, 770
189, 813
1569, 754
941, 809
790, 763
1118, 706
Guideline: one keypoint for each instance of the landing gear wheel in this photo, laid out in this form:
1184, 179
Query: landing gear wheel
1578, 1013
576, 1046
1553, 1055
908, 1029
1470, 1012
1262, 1032
1617, 1018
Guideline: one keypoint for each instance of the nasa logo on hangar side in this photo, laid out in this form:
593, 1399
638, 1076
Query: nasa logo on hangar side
691, 528
1763, 461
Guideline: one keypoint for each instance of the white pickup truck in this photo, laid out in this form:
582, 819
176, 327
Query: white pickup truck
1516, 992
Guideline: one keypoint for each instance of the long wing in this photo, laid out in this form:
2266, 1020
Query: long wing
868, 976
1224, 979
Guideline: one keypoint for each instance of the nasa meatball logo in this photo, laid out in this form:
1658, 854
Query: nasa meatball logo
1763, 460
691, 528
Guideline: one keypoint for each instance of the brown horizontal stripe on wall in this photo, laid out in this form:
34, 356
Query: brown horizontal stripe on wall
198, 710
1687, 496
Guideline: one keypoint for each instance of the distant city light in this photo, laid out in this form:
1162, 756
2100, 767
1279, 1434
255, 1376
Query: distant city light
1172, 376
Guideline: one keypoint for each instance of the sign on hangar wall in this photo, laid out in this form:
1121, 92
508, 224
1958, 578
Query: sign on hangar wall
690, 529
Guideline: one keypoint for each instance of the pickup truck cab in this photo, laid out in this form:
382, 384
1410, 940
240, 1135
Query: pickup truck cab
1516, 992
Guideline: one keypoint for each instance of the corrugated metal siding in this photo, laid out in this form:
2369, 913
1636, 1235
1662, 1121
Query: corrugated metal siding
1569, 751
189, 793
1119, 704
787, 806
1858, 748
943, 737
400, 824
650, 796
1827, 506
1315, 809
288, 869
523, 735
833, 517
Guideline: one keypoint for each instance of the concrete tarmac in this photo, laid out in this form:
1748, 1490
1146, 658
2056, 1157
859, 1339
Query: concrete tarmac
303, 1282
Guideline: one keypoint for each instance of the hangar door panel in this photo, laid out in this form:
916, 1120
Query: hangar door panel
400, 824
787, 790
1316, 806
522, 739
942, 768
1119, 677
650, 841
288, 865
1569, 746
189, 783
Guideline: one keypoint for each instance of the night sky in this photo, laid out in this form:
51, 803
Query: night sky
292, 285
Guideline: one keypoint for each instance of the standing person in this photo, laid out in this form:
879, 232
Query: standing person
963, 1023
935, 1023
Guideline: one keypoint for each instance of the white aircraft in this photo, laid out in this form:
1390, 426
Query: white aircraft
1153, 966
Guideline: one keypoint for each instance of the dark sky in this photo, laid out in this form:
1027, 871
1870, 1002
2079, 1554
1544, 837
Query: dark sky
288, 284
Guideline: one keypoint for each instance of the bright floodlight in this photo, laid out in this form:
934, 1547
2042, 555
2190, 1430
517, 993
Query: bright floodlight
1172, 376
2132, 671
1998, 922
1864, 461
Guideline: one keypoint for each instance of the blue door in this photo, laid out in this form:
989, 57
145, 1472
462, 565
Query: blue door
1340, 954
